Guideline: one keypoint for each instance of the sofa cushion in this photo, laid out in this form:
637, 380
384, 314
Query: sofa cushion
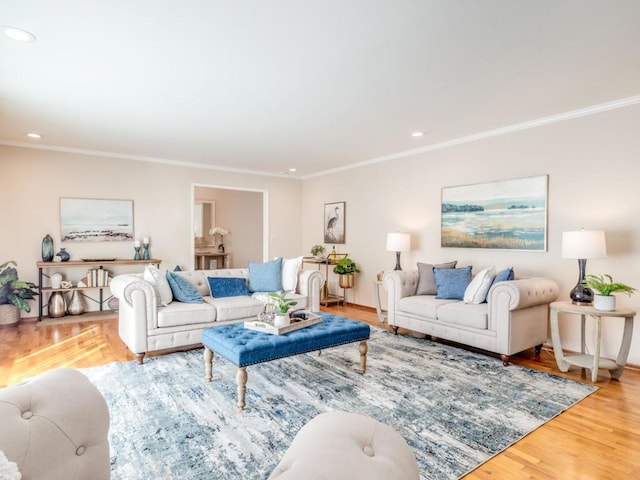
290, 268
234, 308
227, 286
451, 282
477, 290
421, 305
265, 277
179, 313
464, 314
426, 280
183, 290
503, 276
160, 284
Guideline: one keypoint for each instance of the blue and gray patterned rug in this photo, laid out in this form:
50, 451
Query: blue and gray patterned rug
456, 409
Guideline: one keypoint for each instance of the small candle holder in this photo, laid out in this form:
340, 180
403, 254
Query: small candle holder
137, 255
145, 252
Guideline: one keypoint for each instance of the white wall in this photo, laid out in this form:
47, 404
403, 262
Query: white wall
593, 167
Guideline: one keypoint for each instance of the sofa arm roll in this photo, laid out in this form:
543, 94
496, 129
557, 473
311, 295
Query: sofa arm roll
400, 284
523, 293
309, 284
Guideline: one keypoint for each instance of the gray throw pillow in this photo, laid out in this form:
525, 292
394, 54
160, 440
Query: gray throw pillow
426, 280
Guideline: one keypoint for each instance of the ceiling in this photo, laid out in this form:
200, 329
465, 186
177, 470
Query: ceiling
316, 85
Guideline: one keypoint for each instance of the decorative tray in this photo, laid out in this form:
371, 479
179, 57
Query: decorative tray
296, 324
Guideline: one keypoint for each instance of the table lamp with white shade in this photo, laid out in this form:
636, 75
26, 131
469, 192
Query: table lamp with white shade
398, 242
582, 245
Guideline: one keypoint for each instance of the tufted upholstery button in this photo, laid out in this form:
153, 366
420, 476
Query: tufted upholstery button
80, 451
27, 415
368, 450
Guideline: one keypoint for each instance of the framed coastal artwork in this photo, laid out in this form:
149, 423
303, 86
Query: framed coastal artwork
95, 220
334, 222
506, 214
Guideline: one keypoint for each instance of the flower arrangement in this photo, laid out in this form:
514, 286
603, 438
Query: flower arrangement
222, 232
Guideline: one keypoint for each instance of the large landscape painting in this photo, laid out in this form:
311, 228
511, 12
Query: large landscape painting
95, 220
509, 214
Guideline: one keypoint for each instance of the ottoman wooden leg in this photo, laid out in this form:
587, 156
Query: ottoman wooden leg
363, 355
208, 363
241, 380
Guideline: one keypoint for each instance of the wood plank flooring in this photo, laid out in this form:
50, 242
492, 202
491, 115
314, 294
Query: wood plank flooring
599, 438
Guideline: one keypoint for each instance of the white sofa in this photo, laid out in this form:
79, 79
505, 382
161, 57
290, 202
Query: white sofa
514, 318
56, 427
144, 326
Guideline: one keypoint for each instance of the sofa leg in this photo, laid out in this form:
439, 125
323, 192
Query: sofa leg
139, 358
505, 359
395, 329
538, 349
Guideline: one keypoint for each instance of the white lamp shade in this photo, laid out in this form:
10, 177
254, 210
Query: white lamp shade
584, 244
398, 242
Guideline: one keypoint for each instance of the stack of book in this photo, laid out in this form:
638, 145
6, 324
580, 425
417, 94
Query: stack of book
97, 277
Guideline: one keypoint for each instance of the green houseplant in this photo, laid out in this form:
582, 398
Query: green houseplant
317, 251
14, 294
606, 287
346, 268
282, 304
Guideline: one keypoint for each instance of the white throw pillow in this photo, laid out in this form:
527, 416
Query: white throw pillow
160, 284
290, 269
476, 291
8, 470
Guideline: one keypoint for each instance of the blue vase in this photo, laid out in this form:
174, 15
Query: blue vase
64, 255
47, 249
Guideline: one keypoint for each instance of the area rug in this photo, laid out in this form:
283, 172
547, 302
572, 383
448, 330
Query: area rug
455, 408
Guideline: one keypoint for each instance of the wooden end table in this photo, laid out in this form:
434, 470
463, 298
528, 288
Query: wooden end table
592, 362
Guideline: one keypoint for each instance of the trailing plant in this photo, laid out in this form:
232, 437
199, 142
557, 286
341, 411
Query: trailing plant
317, 250
345, 266
605, 285
281, 302
13, 290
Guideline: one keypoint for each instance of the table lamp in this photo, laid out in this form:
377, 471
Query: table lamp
398, 242
583, 244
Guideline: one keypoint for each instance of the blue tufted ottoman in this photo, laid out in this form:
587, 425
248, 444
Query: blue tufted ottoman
244, 347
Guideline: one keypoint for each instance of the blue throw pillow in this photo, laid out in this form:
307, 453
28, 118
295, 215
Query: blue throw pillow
452, 282
503, 276
227, 287
266, 277
183, 290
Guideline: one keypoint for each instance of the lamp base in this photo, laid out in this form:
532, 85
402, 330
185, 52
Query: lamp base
580, 294
398, 267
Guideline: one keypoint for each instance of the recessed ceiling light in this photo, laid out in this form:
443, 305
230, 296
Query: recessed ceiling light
292, 170
18, 34
34, 135
417, 134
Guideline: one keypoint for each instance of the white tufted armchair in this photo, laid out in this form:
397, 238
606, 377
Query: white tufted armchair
55, 427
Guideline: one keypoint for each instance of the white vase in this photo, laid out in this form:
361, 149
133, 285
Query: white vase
56, 280
281, 320
606, 303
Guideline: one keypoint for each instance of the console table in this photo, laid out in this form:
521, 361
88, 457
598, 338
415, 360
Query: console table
593, 362
202, 258
101, 264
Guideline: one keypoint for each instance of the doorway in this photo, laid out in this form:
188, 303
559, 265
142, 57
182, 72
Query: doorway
243, 213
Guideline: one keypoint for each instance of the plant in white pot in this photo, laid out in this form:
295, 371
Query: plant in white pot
606, 287
317, 251
283, 305
14, 294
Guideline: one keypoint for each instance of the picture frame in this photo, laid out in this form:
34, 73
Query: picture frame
96, 220
334, 222
505, 214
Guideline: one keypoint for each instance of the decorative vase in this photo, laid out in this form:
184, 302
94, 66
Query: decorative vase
57, 305
606, 303
9, 315
145, 251
346, 280
63, 254
76, 304
281, 320
56, 280
47, 248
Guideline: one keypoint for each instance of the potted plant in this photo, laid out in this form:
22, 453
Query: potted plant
346, 268
605, 285
282, 305
14, 294
317, 251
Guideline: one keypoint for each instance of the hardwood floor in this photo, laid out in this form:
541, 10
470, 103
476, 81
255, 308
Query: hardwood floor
599, 438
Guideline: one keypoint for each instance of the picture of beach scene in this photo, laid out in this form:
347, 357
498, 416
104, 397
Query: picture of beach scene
508, 214
95, 220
